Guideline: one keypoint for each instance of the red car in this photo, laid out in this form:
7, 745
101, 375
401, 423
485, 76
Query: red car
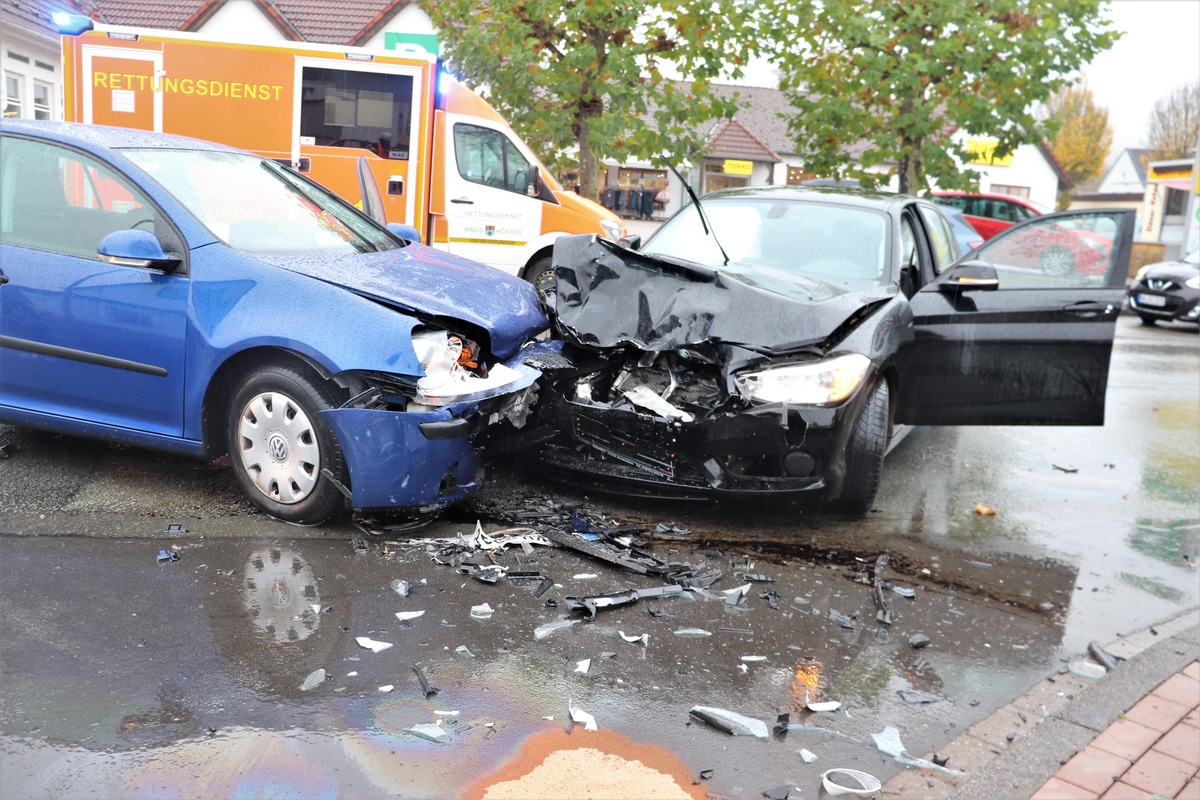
990, 213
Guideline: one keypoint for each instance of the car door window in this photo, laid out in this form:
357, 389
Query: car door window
488, 157
945, 251
62, 201
1047, 252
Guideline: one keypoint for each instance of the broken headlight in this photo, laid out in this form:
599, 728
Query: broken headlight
455, 371
812, 383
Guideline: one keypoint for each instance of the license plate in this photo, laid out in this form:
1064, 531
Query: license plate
1151, 300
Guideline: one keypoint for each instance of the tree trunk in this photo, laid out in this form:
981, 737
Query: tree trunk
589, 166
911, 169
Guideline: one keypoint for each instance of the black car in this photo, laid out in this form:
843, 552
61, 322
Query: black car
771, 345
1168, 291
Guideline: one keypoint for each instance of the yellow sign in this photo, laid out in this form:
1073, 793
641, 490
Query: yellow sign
1171, 172
738, 167
982, 151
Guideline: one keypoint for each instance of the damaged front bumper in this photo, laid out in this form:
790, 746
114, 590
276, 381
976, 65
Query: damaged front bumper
422, 461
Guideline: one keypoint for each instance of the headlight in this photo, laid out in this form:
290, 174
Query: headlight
1193, 282
1141, 273
612, 230
438, 353
815, 383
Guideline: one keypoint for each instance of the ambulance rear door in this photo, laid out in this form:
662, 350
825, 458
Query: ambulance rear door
122, 87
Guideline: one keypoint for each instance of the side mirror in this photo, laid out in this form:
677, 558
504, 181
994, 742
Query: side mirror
405, 231
136, 248
631, 242
969, 276
533, 181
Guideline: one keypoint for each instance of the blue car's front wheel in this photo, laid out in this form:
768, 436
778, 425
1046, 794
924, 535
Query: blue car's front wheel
279, 446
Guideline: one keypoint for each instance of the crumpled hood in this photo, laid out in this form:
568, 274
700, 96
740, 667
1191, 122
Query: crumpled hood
420, 279
608, 296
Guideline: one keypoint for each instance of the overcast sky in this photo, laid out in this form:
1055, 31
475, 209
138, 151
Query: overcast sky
1159, 52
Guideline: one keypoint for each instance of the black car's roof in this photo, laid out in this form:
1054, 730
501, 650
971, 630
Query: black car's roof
882, 201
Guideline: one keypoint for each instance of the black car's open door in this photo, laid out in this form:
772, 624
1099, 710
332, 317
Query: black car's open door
1020, 331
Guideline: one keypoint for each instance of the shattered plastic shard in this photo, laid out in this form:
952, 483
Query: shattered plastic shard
387, 687
919, 640
542, 631
808, 756
644, 638
400, 587
904, 591
584, 666
838, 782
692, 633
829, 705
481, 612
426, 689
581, 717
1086, 668
368, 643
730, 721
163, 555
916, 698
314, 679
404, 616
432, 731
888, 742
754, 658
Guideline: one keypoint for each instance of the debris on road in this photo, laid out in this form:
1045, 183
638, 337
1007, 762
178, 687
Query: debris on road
905, 592
591, 604
850, 781
167, 555
1086, 668
730, 721
426, 689
583, 666
828, 705
483, 611
405, 616
919, 640
807, 755
916, 698
984, 511
542, 631
644, 638
1107, 660
374, 646
581, 717
314, 679
175, 528
433, 731
401, 587
888, 742
1068, 470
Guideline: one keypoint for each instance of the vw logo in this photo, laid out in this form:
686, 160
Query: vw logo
277, 446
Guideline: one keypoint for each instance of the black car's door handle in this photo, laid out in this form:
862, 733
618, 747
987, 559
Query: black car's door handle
464, 200
1089, 308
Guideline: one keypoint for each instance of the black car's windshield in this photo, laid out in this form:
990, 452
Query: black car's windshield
255, 205
773, 240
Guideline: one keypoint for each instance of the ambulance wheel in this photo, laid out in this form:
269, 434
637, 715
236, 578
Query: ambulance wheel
540, 273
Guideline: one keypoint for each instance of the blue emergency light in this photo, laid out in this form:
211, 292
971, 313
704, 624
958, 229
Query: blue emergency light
71, 24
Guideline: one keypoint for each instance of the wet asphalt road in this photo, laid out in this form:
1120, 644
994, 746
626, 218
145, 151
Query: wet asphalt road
121, 676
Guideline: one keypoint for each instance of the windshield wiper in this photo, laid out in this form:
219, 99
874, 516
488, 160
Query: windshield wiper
708, 229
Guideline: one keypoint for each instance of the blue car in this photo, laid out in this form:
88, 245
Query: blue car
964, 233
170, 293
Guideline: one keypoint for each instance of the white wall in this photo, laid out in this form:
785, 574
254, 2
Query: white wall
241, 21
29, 61
1122, 178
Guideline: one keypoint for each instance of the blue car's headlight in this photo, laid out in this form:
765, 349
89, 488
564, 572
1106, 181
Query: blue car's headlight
813, 383
455, 374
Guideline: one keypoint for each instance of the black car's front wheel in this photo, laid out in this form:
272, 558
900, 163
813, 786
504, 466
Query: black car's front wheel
279, 445
864, 453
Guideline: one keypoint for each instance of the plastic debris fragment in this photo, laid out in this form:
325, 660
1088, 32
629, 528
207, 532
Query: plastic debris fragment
644, 638
585, 576
984, 511
590, 605
583, 666
706, 774
165, 555
919, 640
754, 658
175, 527
692, 633
1106, 659
843, 620
543, 587
387, 687
426, 689
401, 587
838, 782
1068, 470
314, 679
542, 631
828, 705
367, 643
808, 756
404, 616
433, 731
905, 591
888, 742
783, 792
1086, 668
731, 722
484, 611
466, 651
581, 717
916, 698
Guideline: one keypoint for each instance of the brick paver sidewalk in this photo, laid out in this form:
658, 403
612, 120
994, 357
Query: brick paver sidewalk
1152, 751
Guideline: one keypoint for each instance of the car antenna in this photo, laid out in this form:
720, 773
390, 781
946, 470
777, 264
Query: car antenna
703, 217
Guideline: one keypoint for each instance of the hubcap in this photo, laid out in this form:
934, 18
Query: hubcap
278, 447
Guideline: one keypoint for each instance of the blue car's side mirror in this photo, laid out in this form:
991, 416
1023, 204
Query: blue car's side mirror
405, 231
136, 248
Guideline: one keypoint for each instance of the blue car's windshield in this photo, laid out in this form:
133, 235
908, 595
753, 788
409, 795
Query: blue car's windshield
255, 205
774, 240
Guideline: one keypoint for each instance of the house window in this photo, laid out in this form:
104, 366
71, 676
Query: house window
1176, 198
1011, 191
797, 176
12, 95
41, 100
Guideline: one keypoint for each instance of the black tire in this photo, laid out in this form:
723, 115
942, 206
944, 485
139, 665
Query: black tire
864, 453
540, 273
1147, 319
1057, 261
279, 445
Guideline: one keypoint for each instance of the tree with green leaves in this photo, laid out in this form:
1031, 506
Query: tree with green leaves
1174, 123
592, 80
892, 82
1080, 135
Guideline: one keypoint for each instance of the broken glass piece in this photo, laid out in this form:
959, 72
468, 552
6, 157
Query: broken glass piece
583, 666
164, 555
730, 721
779, 792
644, 638
735, 596
888, 742
905, 591
808, 756
175, 527
400, 587
724, 629
1107, 660
754, 658
694, 633
446, 713
314, 679
756, 577
368, 643
404, 616
838, 782
1086, 668
671, 532
841, 619
916, 698
585, 576
484, 611
352, 674
542, 631
828, 705
466, 651
919, 640
426, 689
608, 654
433, 731
581, 717
706, 774
387, 687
